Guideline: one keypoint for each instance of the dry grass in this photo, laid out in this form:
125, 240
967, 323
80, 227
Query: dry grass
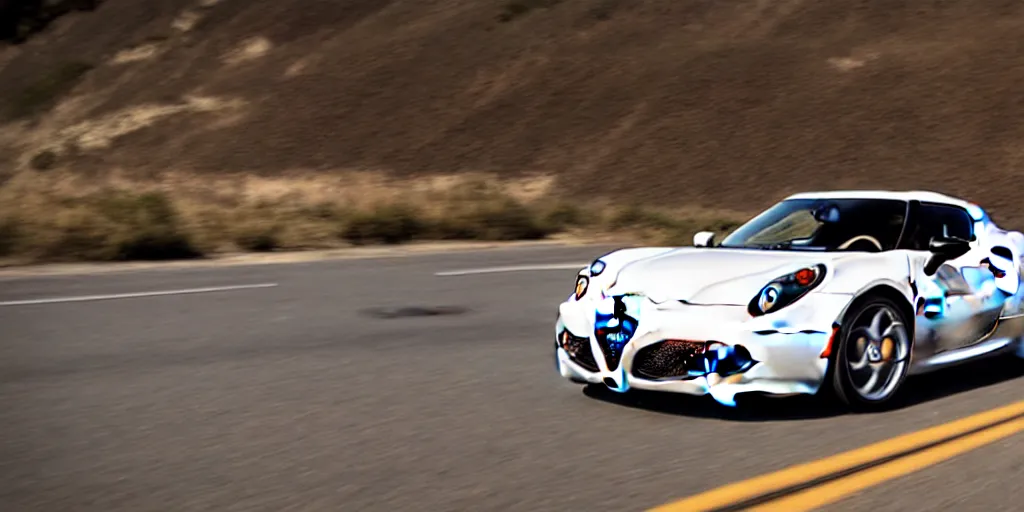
61, 216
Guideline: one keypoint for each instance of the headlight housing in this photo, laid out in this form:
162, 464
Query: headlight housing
582, 283
583, 280
786, 290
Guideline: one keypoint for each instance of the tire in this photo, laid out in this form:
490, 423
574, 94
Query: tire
871, 362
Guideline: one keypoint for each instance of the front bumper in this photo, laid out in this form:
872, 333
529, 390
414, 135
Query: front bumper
785, 349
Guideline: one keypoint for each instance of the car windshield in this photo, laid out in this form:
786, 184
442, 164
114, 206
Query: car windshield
824, 225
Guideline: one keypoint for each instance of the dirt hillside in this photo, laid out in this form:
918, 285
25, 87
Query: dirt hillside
708, 102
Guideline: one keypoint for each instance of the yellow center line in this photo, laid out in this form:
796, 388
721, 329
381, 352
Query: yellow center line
803, 473
831, 492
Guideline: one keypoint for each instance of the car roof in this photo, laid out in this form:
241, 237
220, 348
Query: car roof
912, 195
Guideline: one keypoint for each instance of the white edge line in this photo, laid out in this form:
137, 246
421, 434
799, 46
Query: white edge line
89, 298
519, 268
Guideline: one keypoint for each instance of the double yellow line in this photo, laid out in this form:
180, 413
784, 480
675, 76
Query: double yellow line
815, 484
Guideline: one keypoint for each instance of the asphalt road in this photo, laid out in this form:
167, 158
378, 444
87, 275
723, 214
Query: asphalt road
312, 395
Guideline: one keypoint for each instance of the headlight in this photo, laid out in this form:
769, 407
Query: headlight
786, 290
596, 268
582, 282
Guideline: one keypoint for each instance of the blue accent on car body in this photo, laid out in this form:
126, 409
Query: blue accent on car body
977, 214
615, 322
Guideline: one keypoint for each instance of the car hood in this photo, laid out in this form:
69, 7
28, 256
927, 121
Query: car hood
710, 275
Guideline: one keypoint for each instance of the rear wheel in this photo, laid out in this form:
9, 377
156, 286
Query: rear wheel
873, 354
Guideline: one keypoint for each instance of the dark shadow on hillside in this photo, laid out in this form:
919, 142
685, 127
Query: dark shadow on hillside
20, 19
917, 390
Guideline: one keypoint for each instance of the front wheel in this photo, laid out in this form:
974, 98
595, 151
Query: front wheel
873, 354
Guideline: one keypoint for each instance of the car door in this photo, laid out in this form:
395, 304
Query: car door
959, 305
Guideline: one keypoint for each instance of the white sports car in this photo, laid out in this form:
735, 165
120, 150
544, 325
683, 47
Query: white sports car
845, 291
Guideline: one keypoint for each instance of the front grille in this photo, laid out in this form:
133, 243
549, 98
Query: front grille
615, 322
579, 350
612, 351
669, 359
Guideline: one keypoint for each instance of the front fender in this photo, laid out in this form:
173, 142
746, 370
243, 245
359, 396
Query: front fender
856, 275
614, 262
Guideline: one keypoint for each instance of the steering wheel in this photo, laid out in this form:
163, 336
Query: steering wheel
866, 238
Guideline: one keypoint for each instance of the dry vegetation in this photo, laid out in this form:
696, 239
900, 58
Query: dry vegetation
172, 127
60, 216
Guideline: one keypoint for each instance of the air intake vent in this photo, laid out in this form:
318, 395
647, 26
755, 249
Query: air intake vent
670, 359
579, 350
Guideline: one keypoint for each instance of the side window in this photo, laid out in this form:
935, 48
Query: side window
937, 220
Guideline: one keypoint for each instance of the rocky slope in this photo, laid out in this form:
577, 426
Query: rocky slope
679, 102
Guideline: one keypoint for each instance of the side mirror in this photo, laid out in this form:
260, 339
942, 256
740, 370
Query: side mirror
944, 249
704, 239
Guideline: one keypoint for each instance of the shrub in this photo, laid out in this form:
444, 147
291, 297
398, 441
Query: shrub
635, 216
505, 220
156, 244
79, 235
510, 220
137, 210
390, 225
258, 239
322, 211
147, 227
565, 216
9, 234
109, 227
44, 160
